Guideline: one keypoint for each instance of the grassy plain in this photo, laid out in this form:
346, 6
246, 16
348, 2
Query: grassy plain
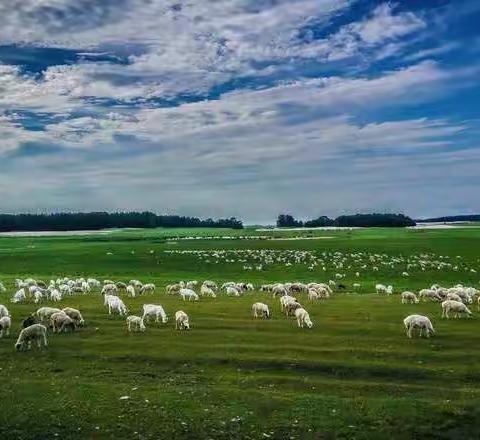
354, 375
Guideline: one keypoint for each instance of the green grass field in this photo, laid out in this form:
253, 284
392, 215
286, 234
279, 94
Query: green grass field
354, 375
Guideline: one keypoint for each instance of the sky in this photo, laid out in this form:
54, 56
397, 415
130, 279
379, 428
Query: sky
246, 108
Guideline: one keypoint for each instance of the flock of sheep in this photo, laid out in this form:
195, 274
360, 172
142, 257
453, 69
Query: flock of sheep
453, 300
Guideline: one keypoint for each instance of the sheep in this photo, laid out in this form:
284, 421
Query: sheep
290, 307
115, 305
260, 310
454, 297
279, 289
429, 293
207, 291
75, 315
136, 322
120, 285
188, 294
60, 321
356, 286
173, 289
418, 321
191, 284
3, 311
136, 283
380, 288
109, 288
55, 295
313, 295
233, 291
46, 312
36, 332
19, 296
154, 310
303, 318
38, 296
148, 288
130, 291
181, 321
285, 299
409, 298
456, 307
3, 289
210, 284
5, 324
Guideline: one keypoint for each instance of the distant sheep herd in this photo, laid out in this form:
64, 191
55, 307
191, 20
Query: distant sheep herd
454, 303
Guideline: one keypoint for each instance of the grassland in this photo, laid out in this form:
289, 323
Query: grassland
354, 375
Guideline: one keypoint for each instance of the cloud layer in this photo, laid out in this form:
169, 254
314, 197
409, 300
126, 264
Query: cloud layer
233, 107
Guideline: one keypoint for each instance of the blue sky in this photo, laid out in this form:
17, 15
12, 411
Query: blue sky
240, 107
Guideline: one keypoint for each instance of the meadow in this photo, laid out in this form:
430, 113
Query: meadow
353, 375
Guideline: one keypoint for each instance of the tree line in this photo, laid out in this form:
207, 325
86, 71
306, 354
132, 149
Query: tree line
452, 218
102, 220
356, 220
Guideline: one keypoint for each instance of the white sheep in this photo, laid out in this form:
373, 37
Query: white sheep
303, 318
60, 321
260, 310
154, 310
418, 321
313, 295
409, 298
148, 288
75, 315
19, 296
5, 324
429, 293
45, 312
285, 299
188, 294
3, 289
35, 332
136, 322
380, 288
181, 321
3, 311
130, 291
55, 295
115, 305
38, 296
456, 307
207, 291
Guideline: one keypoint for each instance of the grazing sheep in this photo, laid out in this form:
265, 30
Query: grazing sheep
380, 288
210, 284
55, 295
409, 298
429, 293
136, 283
454, 297
154, 310
456, 307
188, 294
19, 296
46, 312
109, 289
5, 324
303, 318
3, 289
260, 310
130, 291
207, 291
232, 291
285, 299
115, 305
181, 321
313, 295
191, 284
291, 307
173, 289
60, 321
279, 289
36, 332
356, 286
75, 315
418, 321
136, 322
120, 285
148, 288
3, 311
38, 296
